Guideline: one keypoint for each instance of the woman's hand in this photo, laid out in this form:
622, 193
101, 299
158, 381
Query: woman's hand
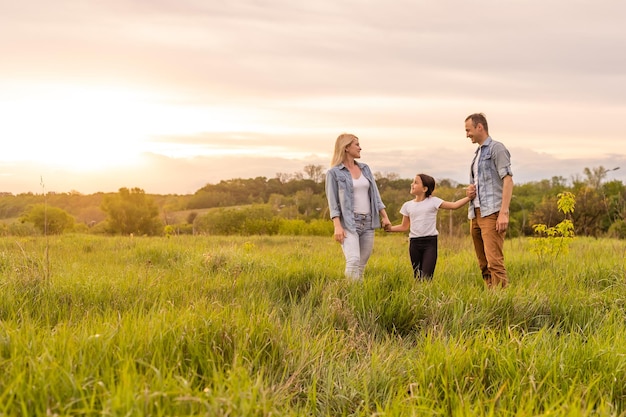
340, 234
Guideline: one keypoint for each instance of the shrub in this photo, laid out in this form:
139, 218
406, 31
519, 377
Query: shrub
253, 220
553, 241
52, 220
618, 229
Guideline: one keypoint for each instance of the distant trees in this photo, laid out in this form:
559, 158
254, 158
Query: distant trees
48, 220
314, 172
131, 211
257, 190
599, 204
300, 197
230, 193
595, 176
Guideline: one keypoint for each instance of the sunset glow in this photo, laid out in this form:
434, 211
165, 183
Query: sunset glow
78, 128
170, 96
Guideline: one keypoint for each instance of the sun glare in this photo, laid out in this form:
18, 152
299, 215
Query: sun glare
75, 128
86, 128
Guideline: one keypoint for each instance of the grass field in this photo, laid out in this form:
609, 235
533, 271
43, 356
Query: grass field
260, 326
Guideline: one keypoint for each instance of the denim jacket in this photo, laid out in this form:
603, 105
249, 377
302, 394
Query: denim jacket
340, 195
494, 164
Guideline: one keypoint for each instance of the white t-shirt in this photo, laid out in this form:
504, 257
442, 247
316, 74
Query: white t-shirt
423, 215
475, 173
361, 195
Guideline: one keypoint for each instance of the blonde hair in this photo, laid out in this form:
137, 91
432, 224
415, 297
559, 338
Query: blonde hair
343, 141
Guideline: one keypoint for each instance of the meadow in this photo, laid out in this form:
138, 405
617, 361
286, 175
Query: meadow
268, 326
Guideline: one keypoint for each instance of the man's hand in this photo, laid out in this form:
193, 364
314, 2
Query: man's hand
502, 223
470, 191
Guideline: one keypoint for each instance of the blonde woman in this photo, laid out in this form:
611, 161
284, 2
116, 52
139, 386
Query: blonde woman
356, 208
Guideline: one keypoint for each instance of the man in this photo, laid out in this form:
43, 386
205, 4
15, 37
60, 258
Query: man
491, 179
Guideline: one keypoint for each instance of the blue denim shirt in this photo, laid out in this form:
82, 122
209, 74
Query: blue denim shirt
340, 195
494, 164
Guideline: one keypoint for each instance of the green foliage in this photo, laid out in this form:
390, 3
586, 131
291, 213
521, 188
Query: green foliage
178, 229
314, 227
50, 220
566, 202
618, 229
257, 190
131, 212
21, 229
257, 220
293, 197
554, 241
191, 217
248, 220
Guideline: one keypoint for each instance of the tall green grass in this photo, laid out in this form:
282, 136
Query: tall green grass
260, 326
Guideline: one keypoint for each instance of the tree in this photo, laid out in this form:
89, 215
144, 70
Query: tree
590, 213
614, 194
308, 203
131, 211
50, 220
282, 177
191, 217
595, 176
315, 172
553, 241
391, 176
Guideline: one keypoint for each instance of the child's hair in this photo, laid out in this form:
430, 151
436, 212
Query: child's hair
428, 182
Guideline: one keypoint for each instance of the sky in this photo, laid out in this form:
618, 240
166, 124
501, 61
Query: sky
171, 95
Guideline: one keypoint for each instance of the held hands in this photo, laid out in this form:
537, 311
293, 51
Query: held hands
470, 191
386, 224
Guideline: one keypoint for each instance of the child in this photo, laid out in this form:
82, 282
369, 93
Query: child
419, 216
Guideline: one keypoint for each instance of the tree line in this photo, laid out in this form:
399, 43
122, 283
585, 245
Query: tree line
296, 204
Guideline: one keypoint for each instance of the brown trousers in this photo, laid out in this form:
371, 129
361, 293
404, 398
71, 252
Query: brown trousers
488, 244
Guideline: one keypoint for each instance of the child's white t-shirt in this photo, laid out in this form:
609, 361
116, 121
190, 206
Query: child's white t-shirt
423, 216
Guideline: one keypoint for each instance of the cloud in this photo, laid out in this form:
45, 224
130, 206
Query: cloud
280, 79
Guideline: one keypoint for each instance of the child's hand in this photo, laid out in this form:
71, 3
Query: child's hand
470, 191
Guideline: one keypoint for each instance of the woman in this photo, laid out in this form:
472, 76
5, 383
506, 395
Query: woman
356, 208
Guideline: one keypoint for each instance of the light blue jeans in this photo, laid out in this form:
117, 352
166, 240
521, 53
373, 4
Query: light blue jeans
357, 247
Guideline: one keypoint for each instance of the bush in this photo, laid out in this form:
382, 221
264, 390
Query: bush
298, 227
253, 220
48, 220
618, 229
258, 219
22, 229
